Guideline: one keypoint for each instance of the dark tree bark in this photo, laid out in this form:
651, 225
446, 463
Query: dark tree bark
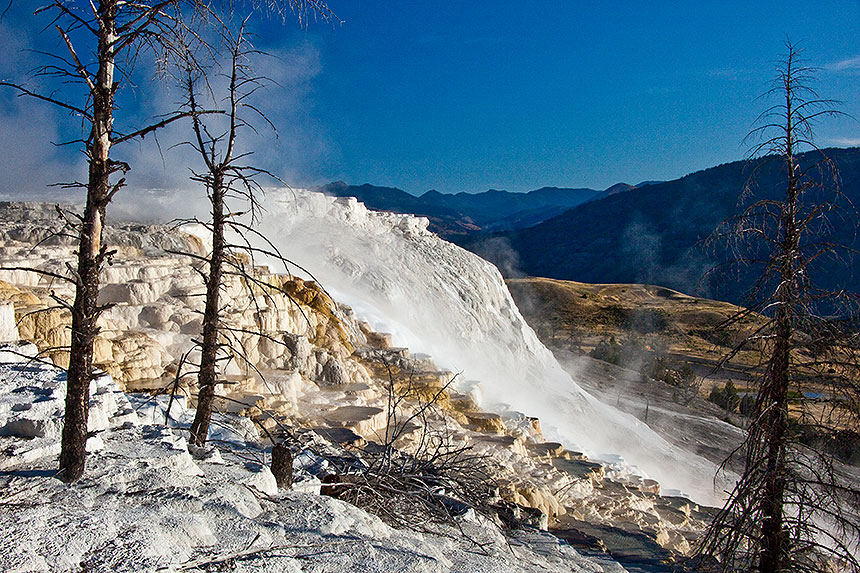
207, 378
226, 178
91, 254
774, 421
217, 153
282, 466
111, 31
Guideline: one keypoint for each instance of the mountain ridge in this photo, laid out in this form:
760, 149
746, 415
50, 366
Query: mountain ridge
464, 213
652, 232
655, 235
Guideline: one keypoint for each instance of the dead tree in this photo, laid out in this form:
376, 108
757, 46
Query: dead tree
225, 176
234, 191
793, 508
103, 39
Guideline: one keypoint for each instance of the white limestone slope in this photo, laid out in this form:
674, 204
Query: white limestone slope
447, 302
146, 504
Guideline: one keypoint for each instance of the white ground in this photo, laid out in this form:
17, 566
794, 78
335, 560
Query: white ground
146, 504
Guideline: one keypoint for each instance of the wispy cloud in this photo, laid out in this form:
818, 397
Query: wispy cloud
844, 141
287, 99
30, 163
845, 65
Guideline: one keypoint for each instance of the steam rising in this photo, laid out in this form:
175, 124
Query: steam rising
447, 302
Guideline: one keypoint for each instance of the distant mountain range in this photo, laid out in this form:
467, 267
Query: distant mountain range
651, 233
654, 233
469, 213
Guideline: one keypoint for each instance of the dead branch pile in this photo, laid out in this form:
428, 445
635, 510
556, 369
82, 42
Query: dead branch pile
441, 480
417, 491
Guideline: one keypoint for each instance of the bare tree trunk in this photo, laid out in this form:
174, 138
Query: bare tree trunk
793, 509
282, 466
775, 551
90, 255
207, 378
774, 539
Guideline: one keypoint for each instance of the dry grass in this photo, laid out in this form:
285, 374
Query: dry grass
577, 315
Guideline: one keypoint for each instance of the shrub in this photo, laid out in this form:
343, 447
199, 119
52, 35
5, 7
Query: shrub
726, 398
747, 405
647, 321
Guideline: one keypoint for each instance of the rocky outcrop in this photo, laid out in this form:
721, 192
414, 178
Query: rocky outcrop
8, 324
331, 371
150, 502
154, 307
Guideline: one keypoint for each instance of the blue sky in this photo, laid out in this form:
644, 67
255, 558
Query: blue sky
518, 95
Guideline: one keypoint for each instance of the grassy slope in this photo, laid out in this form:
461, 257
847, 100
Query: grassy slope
576, 316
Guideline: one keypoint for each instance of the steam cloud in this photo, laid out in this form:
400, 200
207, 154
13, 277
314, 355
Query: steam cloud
33, 164
449, 303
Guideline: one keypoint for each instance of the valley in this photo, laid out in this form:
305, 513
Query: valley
660, 355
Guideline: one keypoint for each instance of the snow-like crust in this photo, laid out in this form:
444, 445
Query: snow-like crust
442, 300
32, 400
145, 504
